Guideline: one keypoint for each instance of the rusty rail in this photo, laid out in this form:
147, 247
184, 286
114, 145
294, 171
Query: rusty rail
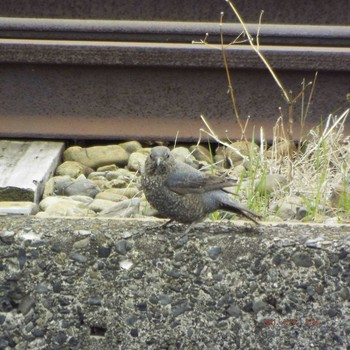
121, 80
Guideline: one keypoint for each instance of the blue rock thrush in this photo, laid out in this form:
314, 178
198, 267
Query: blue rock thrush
184, 194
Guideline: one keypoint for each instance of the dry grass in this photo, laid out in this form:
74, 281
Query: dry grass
317, 170
318, 167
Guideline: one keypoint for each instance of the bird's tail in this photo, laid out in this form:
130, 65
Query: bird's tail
234, 207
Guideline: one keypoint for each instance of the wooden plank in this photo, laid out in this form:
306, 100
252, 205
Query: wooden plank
25, 166
18, 208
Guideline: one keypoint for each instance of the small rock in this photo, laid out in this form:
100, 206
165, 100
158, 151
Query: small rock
178, 310
270, 183
82, 199
57, 185
214, 252
110, 195
302, 259
233, 155
66, 208
78, 257
72, 169
234, 311
104, 252
165, 299
345, 293
60, 258
153, 299
131, 146
98, 205
286, 211
136, 161
182, 154
107, 168
124, 208
42, 288
38, 332
129, 191
102, 183
289, 207
117, 183
97, 175
26, 304
142, 306
46, 202
83, 232
7, 236
315, 242
331, 221
61, 338
3, 343
201, 153
134, 332
112, 175
131, 320
97, 156
173, 273
123, 174
83, 187
126, 264
82, 243
301, 213
95, 301
122, 246
333, 312
239, 171
259, 305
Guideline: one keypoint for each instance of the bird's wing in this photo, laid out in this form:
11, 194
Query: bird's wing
184, 182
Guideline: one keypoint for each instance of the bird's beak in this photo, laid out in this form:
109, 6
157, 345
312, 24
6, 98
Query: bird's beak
158, 161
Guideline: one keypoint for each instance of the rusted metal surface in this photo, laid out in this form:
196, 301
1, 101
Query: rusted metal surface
170, 32
52, 86
170, 55
61, 101
275, 11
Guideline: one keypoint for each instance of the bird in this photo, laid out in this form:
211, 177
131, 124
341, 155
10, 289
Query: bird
184, 194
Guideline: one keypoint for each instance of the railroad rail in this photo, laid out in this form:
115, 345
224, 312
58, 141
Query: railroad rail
102, 79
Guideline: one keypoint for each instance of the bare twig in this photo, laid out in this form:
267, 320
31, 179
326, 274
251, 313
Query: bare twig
258, 52
230, 88
212, 134
258, 32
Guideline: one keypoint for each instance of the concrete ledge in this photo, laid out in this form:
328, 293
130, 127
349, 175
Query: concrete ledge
108, 284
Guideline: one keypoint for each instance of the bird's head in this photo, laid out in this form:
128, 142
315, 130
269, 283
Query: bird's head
160, 160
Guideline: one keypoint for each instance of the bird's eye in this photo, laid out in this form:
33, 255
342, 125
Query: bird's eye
167, 155
150, 155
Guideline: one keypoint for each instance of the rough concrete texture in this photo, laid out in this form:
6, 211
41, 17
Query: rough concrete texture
113, 284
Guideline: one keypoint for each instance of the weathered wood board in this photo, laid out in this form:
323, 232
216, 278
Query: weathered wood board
25, 166
18, 208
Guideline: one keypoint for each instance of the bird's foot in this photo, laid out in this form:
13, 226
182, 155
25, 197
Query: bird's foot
188, 229
167, 223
